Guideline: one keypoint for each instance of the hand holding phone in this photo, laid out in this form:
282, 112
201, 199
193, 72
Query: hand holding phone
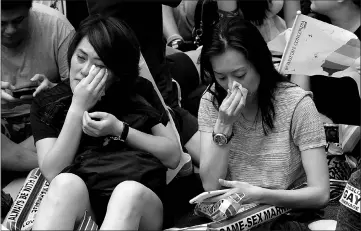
28, 91
206, 195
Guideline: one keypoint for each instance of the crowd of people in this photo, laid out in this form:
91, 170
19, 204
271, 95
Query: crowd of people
74, 105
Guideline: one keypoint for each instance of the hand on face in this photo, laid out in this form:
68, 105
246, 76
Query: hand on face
90, 89
233, 104
252, 194
105, 124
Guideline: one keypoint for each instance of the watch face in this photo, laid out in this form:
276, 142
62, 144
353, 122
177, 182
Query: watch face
220, 139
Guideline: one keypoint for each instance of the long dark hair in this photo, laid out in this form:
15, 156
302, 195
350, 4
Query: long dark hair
244, 37
115, 43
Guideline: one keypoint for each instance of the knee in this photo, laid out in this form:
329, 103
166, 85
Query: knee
132, 191
68, 186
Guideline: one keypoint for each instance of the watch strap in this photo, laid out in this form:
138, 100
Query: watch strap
124, 134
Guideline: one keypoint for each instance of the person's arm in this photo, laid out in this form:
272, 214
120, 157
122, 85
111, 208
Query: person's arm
170, 29
161, 143
213, 160
308, 134
213, 157
315, 195
54, 154
65, 34
290, 8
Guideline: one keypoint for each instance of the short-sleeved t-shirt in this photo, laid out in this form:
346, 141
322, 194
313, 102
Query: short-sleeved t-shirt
43, 52
49, 110
273, 160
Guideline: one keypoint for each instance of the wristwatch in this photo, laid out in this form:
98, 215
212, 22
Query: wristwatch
124, 134
221, 139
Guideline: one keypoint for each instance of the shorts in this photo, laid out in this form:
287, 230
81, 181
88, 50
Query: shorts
17, 128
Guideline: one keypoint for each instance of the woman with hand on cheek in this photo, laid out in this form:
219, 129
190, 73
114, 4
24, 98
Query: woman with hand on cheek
260, 134
104, 148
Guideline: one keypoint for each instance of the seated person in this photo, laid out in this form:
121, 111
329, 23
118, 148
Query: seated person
34, 39
260, 134
149, 30
115, 152
348, 215
345, 14
264, 14
178, 24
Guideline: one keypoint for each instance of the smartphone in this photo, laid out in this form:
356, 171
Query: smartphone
205, 195
23, 91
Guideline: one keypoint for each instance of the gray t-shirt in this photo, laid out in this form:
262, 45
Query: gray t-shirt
272, 161
43, 52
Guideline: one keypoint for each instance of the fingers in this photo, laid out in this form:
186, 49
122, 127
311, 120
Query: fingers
90, 132
91, 75
88, 127
6, 97
97, 79
89, 122
38, 77
26, 97
215, 199
101, 85
227, 183
41, 87
97, 115
236, 101
227, 101
229, 92
7, 85
242, 102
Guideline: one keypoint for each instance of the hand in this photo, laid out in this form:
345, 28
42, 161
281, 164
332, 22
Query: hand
232, 105
252, 193
90, 89
6, 95
105, 124
43, 83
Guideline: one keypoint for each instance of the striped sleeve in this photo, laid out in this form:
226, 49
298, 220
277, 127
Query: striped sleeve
207, 114
307, 129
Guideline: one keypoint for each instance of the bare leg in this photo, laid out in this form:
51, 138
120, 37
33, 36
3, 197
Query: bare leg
29, 144
64, 204
15, 157
133, 206
193, 147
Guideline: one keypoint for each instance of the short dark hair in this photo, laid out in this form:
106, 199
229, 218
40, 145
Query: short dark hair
243, 36
115, 43
16, 4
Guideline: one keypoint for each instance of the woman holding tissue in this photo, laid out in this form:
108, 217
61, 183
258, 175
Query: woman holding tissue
260, 134
98, 141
